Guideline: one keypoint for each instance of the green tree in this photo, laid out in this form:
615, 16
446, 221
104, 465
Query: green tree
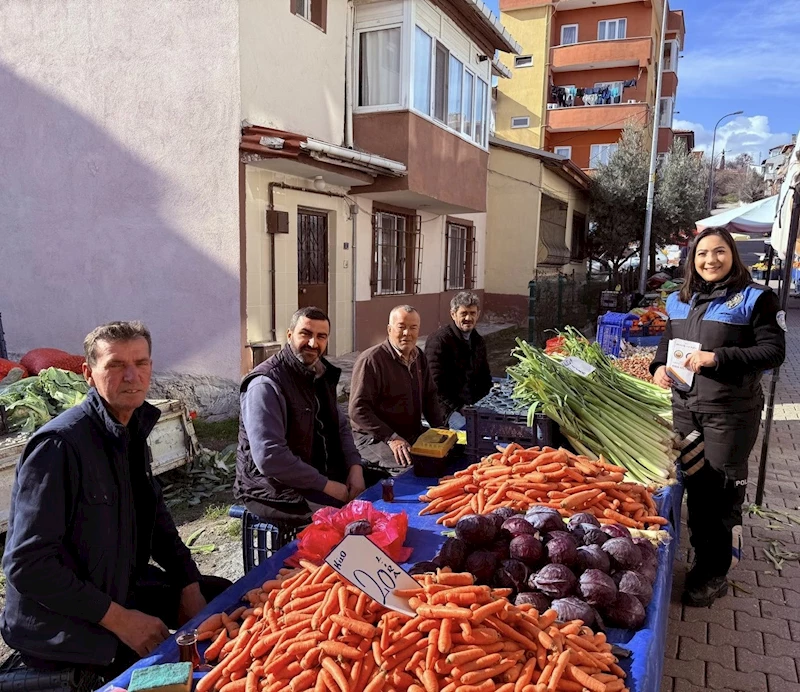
619, 199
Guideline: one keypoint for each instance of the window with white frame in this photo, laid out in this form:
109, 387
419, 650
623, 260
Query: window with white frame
523, 61
460, 256
455, 85
397, 253
423, 57
600, 154
446, 90
569, 34
665, 112
521, 121
611, 29
379, 67
563, 151
671, 56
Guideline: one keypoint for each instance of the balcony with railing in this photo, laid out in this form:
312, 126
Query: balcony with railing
611, 116
591, 55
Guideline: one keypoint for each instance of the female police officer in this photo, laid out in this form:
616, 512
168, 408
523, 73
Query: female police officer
741, 332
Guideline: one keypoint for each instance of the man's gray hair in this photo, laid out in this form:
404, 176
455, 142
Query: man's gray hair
113, 332
310, 313
464, 299
404, 308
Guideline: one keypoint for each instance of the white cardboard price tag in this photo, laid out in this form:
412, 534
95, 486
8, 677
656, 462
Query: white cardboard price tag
578, 366
368, 568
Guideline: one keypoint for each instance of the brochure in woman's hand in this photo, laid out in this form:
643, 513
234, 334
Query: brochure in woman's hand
679, 350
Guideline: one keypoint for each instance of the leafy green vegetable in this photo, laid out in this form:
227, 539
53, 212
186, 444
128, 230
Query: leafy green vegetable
33, 401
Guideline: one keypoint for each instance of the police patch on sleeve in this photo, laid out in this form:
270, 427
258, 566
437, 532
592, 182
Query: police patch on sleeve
780, 318
735, 300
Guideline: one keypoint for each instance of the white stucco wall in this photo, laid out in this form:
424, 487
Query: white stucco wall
292, 73
118, 175
340, 276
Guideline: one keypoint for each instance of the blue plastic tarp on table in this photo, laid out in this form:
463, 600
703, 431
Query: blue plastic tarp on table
425, 537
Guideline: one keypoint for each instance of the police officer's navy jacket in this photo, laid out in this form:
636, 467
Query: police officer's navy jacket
746, 332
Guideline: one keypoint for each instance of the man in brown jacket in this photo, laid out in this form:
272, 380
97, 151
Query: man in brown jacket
391, 390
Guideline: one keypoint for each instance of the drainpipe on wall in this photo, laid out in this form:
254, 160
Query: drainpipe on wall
348, 79
354, 221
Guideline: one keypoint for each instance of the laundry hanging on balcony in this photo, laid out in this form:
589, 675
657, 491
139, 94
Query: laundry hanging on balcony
566, 97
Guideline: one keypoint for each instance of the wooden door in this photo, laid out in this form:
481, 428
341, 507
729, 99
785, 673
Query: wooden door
312, 259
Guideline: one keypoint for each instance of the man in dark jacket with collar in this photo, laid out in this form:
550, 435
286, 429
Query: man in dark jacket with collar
458, 361
87, 517
296, 450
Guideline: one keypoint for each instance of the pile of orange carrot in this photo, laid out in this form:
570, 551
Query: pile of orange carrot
311, 631
520, 478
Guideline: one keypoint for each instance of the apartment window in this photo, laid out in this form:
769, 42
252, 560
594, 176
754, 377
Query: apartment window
563, 151
665, 112
578, 245
315, 11
455, 83
520, 122
600, 154
397, 253
460, 256
611, 29
466, 121
481, 91
423, 46
523, 61
379, 67
671, 56
569, 34
441, 70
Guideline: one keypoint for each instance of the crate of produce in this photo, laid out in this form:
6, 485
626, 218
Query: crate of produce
499, 419
612, 329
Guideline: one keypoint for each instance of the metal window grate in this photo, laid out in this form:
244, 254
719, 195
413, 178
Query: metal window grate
397, 254
460, 256
312, 247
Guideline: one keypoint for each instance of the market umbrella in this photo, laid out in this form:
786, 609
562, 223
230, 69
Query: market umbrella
784, 240
753, 219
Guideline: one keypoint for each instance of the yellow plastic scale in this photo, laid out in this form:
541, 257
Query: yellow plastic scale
435, 443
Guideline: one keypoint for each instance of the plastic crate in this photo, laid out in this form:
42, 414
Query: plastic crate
16, 677
260, 538
612, 328
486, 429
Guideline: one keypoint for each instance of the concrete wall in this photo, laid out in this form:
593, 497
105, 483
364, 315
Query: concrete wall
292, 72
118, 179
340, 277
525, 93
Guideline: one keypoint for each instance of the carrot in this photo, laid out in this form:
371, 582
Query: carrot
477, 676
586, 680
485, 611
235, 686
621, 518
335, 671
214, 650
558, 671
210, 624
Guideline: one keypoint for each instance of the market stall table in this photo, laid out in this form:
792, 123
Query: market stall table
425, 537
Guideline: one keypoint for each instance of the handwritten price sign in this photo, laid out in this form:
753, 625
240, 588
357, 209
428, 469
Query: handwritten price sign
368, 568
578, 366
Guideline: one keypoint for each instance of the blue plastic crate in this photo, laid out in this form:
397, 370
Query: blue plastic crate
612, 329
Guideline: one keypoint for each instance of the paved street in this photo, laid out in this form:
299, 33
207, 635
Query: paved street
750, 640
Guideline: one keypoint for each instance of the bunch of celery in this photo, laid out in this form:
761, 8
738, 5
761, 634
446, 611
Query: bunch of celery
596, 417
655, 398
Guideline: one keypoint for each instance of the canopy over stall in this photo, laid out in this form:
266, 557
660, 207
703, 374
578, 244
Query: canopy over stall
754, 219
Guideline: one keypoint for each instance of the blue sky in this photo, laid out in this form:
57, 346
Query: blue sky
738, 55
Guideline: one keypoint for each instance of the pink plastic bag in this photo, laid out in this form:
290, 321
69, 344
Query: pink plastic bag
327, 530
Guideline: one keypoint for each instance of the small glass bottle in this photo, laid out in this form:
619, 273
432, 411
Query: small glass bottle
187, 647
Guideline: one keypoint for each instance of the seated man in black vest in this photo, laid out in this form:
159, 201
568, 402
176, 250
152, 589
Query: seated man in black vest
296, 451
86, 519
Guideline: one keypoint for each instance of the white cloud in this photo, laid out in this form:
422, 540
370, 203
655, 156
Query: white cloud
751, 135
750, 47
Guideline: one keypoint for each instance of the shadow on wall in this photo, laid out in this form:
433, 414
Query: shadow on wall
87, 237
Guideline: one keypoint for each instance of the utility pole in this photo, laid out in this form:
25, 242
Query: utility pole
651, 181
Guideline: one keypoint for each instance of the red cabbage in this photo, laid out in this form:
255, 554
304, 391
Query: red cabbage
561, 548
476, 529
572, 608
582, 518
594, 536
592, 557
545, 519
637, 585
526, 548
616, 531
536, 599
512, 574
624, 553
626, 611
482, 564
556, 581
453, 554
517, 526
597, 588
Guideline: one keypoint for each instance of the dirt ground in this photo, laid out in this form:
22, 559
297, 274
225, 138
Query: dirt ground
215, 537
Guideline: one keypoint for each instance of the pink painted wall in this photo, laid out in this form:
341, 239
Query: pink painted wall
119, 176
